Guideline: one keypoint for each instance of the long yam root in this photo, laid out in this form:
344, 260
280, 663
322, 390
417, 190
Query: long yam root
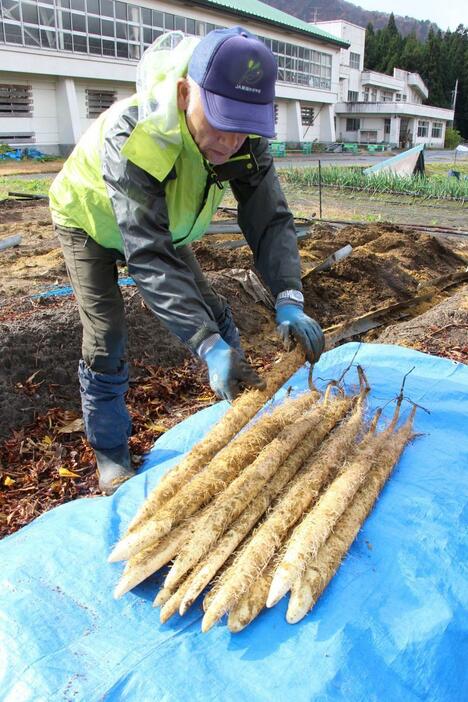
241, 412
307, 589
224, 468
230, 503
248, 518
304, 489
155, 556
251, 603
318, 524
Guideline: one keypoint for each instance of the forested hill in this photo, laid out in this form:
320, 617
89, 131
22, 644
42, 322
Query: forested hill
323, 10
441, 60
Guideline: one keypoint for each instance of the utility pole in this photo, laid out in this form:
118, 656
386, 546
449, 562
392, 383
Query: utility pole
454, 94
454, 97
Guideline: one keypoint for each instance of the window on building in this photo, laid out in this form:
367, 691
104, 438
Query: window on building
386, 96
387, 122
116, 28
15, 100
11, 10
99, 100
354, 60
423, 128
353, 124
370, 94
353, 96
436, 131
368, 137
9, 138
301, 66
307, 115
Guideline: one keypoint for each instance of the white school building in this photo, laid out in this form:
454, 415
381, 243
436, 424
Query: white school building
62, 62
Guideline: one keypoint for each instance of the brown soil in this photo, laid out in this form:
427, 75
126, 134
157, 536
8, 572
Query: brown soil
41, 336
387, 265
441, 331
12, 168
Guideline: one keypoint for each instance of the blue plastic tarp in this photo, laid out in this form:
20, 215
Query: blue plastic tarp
391, 625
64, 290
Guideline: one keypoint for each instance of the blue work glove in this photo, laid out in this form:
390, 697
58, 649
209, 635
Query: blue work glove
228, 371
294, 323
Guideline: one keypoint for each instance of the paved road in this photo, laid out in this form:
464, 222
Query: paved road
330, 159
430, 156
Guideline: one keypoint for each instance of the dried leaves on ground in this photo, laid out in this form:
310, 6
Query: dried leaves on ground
49, 462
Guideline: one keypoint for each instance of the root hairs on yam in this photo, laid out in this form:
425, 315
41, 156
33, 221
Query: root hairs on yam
241, 412
307, 589
229, 504
290, 507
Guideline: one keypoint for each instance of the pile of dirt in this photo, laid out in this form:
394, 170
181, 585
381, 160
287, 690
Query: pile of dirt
387, 265
441, 331
42, 338
37, 263
41, 349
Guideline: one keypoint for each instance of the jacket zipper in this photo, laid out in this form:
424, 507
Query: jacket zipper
211, 179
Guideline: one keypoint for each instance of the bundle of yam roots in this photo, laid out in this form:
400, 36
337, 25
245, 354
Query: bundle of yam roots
266, 511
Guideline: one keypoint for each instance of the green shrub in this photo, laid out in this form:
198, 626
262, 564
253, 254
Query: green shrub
452, 138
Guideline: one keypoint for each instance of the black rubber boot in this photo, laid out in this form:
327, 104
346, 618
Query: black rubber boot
114, 468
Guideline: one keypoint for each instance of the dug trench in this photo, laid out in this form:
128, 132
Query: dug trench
44, 458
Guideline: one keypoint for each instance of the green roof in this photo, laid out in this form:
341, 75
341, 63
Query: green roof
254, 9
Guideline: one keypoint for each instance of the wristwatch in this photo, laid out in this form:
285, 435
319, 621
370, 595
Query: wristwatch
290, 296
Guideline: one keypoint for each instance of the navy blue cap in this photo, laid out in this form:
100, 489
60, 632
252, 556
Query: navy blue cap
236, 73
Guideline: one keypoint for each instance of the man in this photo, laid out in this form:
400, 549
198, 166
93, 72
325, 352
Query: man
145, 181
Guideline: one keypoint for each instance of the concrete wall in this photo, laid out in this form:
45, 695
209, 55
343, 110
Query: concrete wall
374, 123
352, 33
44, 122
59, 109
282, 123
367, 124
289, 127
429, 140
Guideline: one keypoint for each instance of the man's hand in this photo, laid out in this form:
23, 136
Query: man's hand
229, 373
292, 322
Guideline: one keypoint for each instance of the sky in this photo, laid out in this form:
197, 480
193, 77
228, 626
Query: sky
447, 15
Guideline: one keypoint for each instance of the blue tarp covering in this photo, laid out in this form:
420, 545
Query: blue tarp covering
64, 290
391, 626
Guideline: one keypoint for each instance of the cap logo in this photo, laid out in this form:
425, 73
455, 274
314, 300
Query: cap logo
251, 76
